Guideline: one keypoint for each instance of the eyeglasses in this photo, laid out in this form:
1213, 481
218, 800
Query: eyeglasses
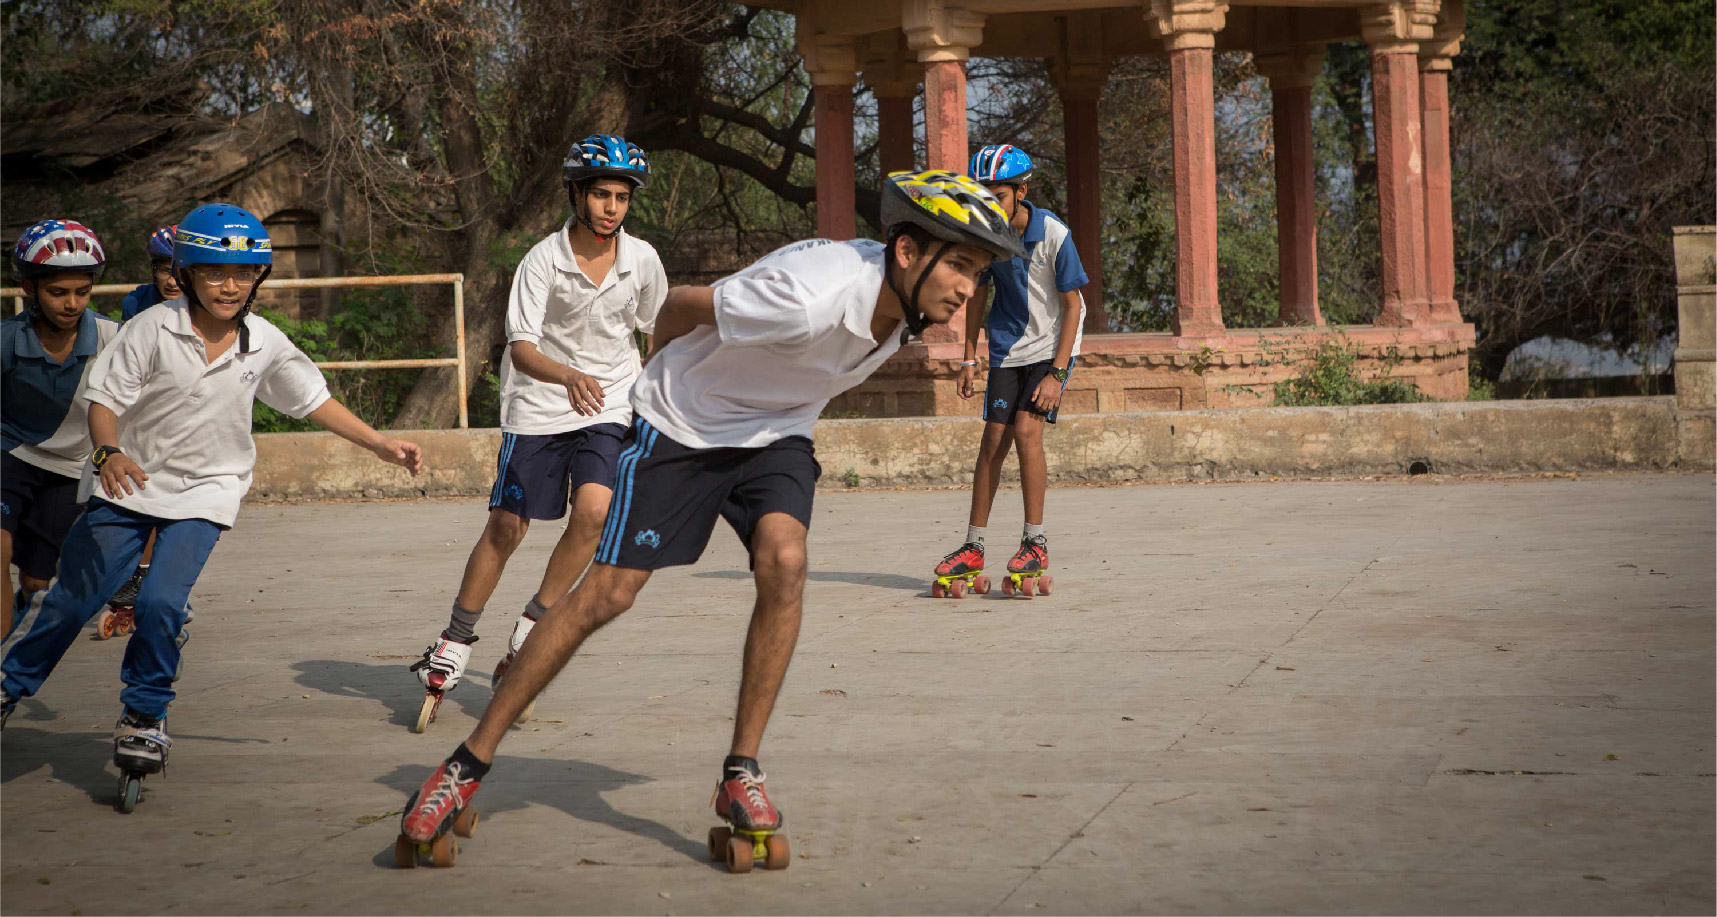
220, 278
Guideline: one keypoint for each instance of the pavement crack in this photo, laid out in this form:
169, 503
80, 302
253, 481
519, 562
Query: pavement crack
1051, 858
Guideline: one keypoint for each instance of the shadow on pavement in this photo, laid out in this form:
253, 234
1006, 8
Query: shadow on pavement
885, 580
391, 685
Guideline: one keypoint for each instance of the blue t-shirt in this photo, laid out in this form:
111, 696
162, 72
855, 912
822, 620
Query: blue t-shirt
1025, 319
139, 299
38, 392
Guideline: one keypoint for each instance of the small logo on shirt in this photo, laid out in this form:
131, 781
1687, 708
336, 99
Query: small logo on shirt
248, 377
515, 493
631, 301
648, 537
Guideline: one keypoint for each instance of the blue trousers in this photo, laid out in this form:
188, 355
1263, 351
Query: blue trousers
98, 556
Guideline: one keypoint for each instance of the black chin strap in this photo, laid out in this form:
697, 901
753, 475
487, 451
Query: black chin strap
190, 294
915, 322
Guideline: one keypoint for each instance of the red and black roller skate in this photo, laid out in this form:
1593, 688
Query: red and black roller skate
119, 618
752, 824
440, 809
960, 572
1028, 570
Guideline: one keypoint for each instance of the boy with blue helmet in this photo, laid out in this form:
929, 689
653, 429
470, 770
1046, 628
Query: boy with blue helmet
578, 298
1034, 332
170, 406
162, 285
45, 354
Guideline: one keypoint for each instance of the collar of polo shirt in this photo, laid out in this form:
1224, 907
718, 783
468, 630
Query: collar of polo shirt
178, 321
625, 259
29, 344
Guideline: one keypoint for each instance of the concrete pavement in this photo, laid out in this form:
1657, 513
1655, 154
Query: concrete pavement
1404, 696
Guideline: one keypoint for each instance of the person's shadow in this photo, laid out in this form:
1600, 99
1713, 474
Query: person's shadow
885, 580
390, 685
573, 787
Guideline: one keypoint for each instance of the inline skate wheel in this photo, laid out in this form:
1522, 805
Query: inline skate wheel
426, 713
130, 790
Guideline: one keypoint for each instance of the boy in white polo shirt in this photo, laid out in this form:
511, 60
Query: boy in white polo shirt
1034, 326
170, 405
725, 412
566, 383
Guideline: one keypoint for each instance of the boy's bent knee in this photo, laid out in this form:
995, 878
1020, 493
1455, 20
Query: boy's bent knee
505, 530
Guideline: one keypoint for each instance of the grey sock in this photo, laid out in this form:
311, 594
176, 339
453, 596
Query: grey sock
534, 609
974, 534
463, 626
1033, 531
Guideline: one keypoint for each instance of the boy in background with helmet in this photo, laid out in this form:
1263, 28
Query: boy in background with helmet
162, 285
170, 415
566, 382
725, 409
1034, 327
45, 353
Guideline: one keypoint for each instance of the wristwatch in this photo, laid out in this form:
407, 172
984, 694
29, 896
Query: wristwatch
102, 454
1060, 374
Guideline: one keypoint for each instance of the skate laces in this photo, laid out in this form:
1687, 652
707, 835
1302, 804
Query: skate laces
131, 728
753, 785
445, 789
972, 546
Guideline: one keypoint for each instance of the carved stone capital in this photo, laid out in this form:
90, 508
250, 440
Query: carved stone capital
1183, 24
1445, 42
1398, 27
940, 31
829, 59
1293, 70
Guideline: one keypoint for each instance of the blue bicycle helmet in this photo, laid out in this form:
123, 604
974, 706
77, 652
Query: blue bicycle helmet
161, 242
1001, 163
602, 156
222, 234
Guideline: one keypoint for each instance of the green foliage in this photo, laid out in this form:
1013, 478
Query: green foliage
1330, 378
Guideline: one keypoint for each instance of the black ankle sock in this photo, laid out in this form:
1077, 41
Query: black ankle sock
469, 767
733, 761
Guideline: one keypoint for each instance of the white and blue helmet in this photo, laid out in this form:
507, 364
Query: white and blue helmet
605, 156
1001, 163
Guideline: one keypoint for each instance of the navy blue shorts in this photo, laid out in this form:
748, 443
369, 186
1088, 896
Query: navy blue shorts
668, 496
536, 476
38, 507
1010, 389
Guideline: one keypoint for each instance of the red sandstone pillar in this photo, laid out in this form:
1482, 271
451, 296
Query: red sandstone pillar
1193, 117
833, 107
895, 149
1400, 184
945, 115
1439, 198
1084, 194
1296, 187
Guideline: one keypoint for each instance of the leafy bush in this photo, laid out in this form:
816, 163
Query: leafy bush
1330, 379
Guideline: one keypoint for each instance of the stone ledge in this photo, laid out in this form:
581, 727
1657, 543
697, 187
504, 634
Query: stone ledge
1459, 437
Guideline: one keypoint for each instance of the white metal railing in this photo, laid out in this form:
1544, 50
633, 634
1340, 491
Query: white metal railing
457, 281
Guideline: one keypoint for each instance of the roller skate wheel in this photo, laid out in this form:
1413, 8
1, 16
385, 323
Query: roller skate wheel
426, 713
938, 591
525, 714
739, 858
718, 838
127, 623
106, 625
1043, 584
130, 790
778, 854
444, 851
1010, 585
405, 852
981, 585
957, 589
465, 823
1027, 585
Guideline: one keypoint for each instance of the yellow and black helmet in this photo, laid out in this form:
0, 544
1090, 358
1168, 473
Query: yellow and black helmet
950, 207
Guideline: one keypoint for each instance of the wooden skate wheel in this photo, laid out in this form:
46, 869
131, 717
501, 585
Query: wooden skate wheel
779, 853
405, 853
739, 854
465, 823
444, 852
718, 838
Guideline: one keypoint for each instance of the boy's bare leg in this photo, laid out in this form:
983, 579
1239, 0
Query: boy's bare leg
577, 544
501, 537
605, 593
1033, 467
778, 546
992, 454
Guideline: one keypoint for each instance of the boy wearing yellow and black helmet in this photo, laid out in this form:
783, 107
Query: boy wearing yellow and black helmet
725, 410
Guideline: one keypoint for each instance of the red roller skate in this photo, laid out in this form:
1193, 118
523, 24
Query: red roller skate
752, 824
960, 572
440, 809
1028, 570
119, 618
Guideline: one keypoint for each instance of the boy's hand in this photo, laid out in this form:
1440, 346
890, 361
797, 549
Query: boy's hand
399, 452
1047, 396
968, 381
583, 393
118, 473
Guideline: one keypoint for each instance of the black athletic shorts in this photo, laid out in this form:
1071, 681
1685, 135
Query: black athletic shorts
535, 476
1010, 390
38, 507
667, 497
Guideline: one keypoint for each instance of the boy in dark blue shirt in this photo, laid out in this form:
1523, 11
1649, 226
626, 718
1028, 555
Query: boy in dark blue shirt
163, 287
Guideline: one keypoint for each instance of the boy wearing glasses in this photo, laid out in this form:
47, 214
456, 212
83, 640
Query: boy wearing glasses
170, 416
162, 285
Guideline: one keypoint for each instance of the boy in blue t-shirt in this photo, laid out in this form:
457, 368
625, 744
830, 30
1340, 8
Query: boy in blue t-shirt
1034, 332
163, 286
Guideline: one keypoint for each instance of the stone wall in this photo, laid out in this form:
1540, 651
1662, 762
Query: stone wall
1696, 339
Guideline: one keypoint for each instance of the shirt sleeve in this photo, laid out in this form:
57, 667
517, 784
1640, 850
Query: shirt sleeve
1069, 273
293, 385
652, 292
117, 376
528, 303
767, 306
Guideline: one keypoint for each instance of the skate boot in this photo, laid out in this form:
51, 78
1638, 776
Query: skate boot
752, 823
442, 805
440, 669
959, 571
516, 642
1028, 570
120, 616
139, 749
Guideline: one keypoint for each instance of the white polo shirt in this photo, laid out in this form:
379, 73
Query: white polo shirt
791, 331
187, 421
581, 324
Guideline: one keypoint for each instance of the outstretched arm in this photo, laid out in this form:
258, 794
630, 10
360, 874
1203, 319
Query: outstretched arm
333, 417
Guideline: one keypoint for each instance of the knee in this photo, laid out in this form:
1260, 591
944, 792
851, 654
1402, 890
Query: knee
781, 563
505, 532
1029, 435
589, 518
995, 441
31, 584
